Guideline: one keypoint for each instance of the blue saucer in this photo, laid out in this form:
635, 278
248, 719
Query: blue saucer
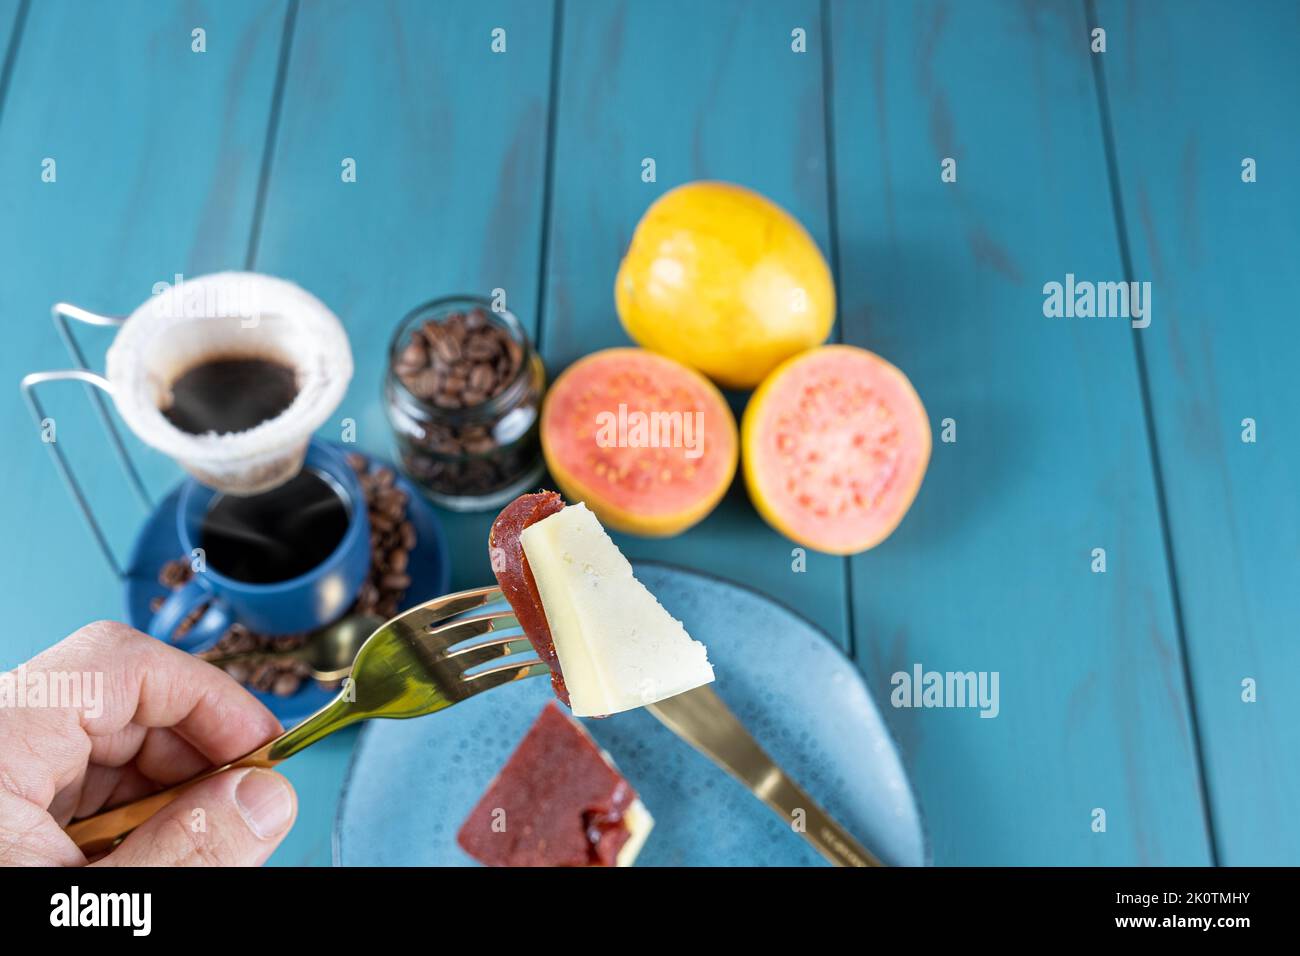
157, 543
413, 782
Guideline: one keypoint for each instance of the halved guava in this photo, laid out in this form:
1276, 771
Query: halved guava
836, 442
649, 444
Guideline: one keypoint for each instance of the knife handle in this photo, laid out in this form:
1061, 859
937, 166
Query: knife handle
703, 720
810, 821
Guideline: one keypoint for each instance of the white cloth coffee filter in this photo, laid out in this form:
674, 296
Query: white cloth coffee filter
230, 315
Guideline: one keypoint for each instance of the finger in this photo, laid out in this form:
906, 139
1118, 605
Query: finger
160, 756
118, 748
236, 818
92, 783
108, 754
30, 837
100, 788
128, 677
167, 757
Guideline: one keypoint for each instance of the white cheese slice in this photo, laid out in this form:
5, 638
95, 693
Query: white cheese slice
618, 648
639, 823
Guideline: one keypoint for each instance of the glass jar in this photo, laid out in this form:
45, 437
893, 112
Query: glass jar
463, 393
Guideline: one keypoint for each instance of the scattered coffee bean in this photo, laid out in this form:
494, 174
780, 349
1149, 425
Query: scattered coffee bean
175, 573
239, 671
286, 684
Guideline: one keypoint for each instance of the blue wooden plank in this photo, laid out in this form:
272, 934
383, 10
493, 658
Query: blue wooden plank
991, 571
1194, 89
157, 151
449, 141
708, 91
11, 12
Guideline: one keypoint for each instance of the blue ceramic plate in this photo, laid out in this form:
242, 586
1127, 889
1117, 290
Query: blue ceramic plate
158, 543
412, 782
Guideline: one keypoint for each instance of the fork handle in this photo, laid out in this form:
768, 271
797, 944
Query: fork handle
103, 831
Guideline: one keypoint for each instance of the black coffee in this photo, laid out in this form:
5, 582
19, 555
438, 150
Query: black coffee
276, 535
231, 395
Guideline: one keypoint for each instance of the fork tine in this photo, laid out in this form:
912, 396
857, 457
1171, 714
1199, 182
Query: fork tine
478, 654
465, 628
496, 676
440, 609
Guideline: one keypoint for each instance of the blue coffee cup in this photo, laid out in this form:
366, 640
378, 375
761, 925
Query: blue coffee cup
302, 603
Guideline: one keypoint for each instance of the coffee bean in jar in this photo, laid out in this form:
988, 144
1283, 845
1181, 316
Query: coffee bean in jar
463, 394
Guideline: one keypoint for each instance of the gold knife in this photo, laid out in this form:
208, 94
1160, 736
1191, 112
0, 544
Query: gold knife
701, 719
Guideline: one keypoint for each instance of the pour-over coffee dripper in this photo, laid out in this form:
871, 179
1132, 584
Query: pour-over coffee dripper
229, 315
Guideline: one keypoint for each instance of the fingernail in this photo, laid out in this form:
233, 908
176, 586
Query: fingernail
265, 802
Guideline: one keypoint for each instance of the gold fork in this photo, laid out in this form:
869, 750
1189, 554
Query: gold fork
411, 666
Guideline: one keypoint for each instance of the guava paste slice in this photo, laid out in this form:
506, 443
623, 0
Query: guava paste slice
564, 804
510, 565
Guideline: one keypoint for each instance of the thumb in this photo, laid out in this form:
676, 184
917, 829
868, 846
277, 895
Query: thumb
235, 819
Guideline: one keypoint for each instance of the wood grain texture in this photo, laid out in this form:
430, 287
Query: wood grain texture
708, 91
10, 13
1193, 89
157, 150
161, 156
991, 569
449, 143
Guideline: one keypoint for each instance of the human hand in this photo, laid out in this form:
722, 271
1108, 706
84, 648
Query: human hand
142, 716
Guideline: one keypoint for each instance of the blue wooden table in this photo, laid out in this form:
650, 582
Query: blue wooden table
1162, 691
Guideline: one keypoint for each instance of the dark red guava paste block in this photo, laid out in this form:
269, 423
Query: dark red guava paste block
563, 803
510, 565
